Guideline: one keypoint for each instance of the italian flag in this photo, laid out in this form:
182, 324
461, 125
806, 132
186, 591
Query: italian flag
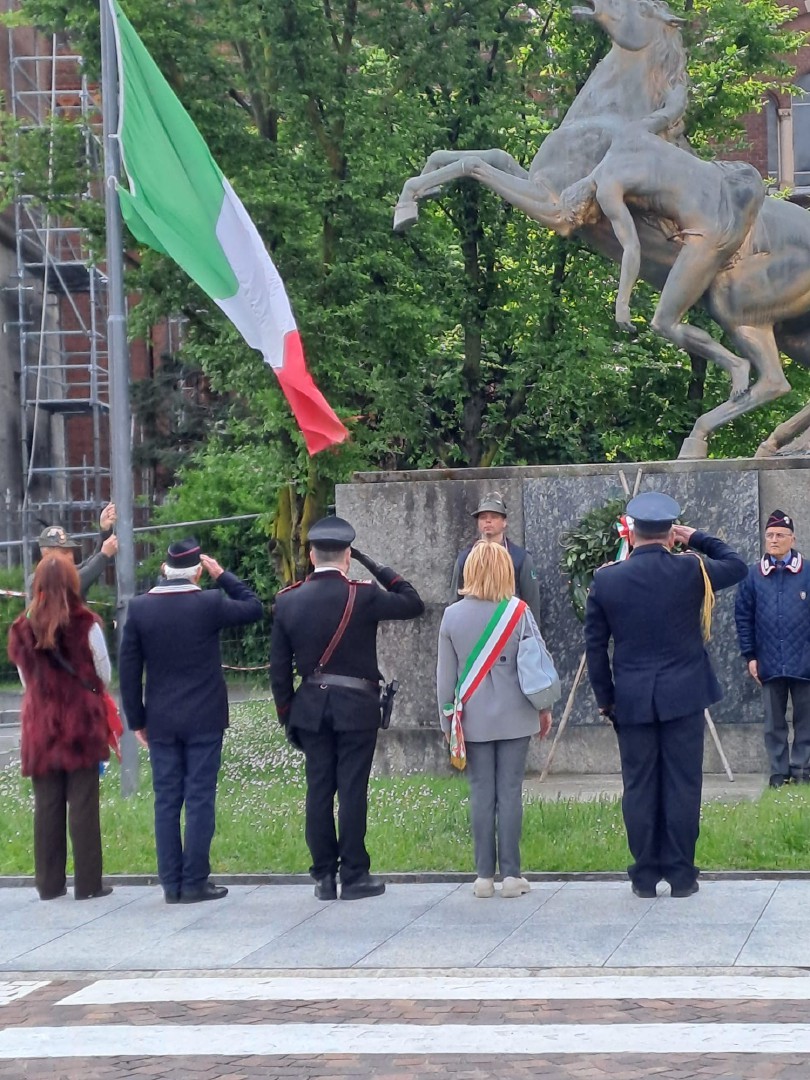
180, 204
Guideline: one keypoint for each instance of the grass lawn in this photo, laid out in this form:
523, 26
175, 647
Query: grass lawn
415, 822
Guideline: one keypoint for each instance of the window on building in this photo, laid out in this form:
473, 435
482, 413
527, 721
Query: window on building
801, 134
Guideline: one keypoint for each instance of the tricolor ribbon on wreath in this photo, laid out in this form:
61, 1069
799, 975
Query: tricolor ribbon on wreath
623, 526
484, 654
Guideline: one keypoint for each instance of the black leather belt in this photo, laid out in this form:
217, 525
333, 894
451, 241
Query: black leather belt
347, 681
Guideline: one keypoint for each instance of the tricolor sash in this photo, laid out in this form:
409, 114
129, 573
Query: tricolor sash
485, 652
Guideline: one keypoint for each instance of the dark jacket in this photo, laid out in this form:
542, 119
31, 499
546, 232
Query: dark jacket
772, 612
526, 586
173, 632
651, 605
94, 565
63, 724
306, 618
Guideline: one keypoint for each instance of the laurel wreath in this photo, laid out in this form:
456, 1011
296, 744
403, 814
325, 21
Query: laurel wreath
592, 542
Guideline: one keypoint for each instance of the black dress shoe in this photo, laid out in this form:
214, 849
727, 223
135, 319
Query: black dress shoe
208, 891
362, 888
644, 894
778, 780
56, 895
690, 890
171, 896
326, 888
105, 890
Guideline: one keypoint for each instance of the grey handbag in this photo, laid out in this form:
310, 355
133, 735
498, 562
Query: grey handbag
538, 678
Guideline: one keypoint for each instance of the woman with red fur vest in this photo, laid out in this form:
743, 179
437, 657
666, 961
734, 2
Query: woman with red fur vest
59, 650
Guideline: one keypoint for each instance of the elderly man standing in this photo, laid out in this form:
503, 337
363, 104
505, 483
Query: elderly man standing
490, 517
325, 628
656, 607
173, 633
773, 627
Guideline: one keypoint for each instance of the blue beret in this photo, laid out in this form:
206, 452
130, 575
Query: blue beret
183, 554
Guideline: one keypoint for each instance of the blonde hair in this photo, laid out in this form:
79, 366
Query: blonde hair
489, 573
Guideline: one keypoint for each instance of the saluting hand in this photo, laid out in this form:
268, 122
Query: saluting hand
212, 566
682, 534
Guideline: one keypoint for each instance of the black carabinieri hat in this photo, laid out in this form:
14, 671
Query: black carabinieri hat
332, 534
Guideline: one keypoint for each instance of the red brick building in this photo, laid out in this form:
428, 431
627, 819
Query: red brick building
778, 137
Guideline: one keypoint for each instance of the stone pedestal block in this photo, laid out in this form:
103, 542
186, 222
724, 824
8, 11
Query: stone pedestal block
417, 522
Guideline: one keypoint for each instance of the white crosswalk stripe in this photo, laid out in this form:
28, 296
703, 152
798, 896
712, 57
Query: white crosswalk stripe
13, 990
443, 988
233, 1040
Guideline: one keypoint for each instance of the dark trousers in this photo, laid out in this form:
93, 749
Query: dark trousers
184, 773
337, 762
662, 772
67, 800
793, 760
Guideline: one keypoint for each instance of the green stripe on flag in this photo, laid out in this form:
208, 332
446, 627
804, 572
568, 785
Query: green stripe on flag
176, 187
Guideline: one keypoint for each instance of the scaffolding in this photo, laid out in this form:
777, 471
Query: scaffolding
61, 303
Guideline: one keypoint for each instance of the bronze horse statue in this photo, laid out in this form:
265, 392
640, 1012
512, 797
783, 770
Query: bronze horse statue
759, 293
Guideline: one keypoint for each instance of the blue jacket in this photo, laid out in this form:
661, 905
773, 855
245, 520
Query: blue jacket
172, 633
651, 605
773, 618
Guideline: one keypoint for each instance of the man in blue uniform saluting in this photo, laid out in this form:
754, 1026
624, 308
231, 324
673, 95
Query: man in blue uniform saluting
657, 608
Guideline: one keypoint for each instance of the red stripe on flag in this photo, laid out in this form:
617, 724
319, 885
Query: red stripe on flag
319, 424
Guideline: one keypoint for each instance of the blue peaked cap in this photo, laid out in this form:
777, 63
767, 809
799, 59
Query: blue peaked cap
654, 509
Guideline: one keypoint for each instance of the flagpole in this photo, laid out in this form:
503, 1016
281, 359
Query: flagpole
118, 365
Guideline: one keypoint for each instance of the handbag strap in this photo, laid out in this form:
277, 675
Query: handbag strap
489, 646
71, 670
338, 634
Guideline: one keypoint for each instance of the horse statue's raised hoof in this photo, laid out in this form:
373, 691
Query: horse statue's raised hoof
693, 448
766, 449
405, 215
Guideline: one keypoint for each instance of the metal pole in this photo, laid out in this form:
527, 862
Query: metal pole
118, 361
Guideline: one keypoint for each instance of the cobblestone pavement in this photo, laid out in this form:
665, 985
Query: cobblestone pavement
186, 1039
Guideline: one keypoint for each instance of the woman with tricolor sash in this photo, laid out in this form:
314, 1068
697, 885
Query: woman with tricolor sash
484, 715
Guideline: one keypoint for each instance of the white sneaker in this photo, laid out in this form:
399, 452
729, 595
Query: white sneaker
514, 886
484, 887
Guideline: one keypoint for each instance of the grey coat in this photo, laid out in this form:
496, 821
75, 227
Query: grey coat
497, 709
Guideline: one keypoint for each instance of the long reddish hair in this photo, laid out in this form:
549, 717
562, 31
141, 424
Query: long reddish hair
56, 596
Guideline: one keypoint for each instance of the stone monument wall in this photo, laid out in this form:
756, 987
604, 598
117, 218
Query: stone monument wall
418, 521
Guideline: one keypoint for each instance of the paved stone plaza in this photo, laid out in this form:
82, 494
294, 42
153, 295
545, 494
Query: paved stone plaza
577, 979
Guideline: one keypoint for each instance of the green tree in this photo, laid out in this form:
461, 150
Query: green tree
478, 338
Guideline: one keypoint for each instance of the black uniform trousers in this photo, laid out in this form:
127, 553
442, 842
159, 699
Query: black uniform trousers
184, 777
67, 800
662, 771
337, 762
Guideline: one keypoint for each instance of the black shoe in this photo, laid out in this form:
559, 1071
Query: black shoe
690, 890
105, 890
208, 891
56, 895
644, 894
778, 780
171, 896
326, 888
362, 888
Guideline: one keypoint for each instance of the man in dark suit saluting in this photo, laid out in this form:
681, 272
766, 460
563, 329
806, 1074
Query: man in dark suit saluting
173, 632
656, 606
327, 627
